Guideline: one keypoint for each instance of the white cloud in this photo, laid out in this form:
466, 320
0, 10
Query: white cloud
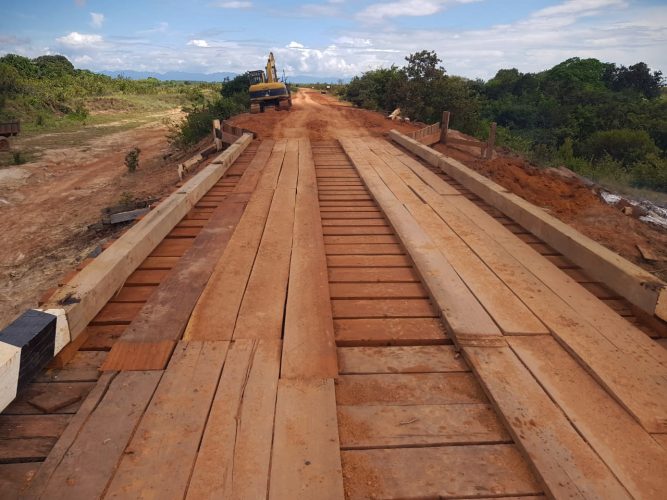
295, 45
80, 40
198, 43
233, 5
415, 8
579, 7
96, 19
162, 27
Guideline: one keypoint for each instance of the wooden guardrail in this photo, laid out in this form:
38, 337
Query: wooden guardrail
439, 133
639, 287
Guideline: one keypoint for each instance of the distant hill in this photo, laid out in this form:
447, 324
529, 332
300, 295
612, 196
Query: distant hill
170, 75
212, 77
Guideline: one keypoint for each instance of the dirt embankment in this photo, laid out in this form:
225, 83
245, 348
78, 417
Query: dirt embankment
46, 206
574, 203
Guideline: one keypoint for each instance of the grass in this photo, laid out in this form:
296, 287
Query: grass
126, 112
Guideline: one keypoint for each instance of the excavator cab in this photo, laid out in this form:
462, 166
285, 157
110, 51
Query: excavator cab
266, 90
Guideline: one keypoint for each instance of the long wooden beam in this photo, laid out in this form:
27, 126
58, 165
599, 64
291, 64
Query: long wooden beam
628, 280
85, 295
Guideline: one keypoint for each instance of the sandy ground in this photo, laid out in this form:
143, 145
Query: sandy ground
322, 117
46, 206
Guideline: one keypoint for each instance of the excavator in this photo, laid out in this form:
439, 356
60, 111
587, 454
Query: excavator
266, 90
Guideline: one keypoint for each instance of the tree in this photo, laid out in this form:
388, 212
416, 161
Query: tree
53, 66
637, 78
240, 83
424, 66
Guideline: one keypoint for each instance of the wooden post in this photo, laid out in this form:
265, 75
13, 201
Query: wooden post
491, 141
444, 127
217, 135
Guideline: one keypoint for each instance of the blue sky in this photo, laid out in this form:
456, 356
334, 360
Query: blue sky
338, 38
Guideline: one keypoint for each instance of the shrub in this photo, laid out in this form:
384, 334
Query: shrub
650, 173
18, 158
132, 159
623, 145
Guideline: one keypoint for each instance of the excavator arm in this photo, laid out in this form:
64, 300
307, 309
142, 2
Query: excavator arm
271, 73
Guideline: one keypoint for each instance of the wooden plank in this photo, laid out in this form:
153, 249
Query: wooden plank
628, 280
158, 461
372, 274
214, 316
15, 478
261, 311
470, 471
133, 294
309, 349
117, 313
400, 359
234, 456
335, 230
419, 425
253, 172
150, 338
377, 291
408, 389
142, 277
360, 249
360, 240
354, 222
66, 391
38, 483
305, 459
97, 283
566, 464
83, 366
25, 449
32, 426
389, 331
505, 308
622, 358
629, 451
101, 338
84, 471
161, 262
357, 261
382, 308
137, 355
462, 312
172, 247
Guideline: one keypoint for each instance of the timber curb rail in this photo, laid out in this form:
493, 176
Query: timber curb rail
639, 287
31, 341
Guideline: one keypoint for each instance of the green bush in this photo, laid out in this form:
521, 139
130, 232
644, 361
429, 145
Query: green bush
132, 159
624, 145
650, 173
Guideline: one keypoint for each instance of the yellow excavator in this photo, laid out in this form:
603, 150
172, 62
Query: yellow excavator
267, 90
